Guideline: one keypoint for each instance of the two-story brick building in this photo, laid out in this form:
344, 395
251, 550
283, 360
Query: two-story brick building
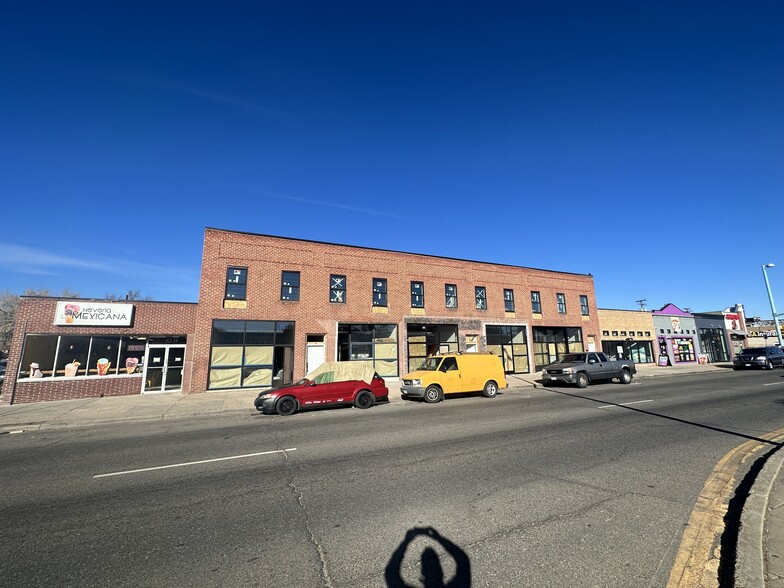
271, 309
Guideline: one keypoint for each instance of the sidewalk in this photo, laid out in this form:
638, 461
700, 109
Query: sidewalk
760, 542
162, 406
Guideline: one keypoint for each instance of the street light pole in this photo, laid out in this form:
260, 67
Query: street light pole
772, 306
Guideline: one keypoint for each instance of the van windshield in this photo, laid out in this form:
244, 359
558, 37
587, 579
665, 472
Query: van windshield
430, 364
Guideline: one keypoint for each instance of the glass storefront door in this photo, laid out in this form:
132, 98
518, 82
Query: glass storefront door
163, 367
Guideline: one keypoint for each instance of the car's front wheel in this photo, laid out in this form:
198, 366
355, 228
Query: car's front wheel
432, 394
626, 377
286, 406
581, 380
364, 399
768, 365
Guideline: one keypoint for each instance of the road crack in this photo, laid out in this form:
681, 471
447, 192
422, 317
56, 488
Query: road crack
311, 535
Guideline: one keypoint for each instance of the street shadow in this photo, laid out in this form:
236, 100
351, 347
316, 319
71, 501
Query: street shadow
664, 416
431, 570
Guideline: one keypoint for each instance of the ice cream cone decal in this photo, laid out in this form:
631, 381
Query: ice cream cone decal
130, 364
103, 366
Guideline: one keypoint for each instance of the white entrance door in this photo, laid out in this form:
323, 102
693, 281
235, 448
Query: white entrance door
315, 356
163, 365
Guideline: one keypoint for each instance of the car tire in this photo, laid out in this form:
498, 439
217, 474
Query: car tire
364, 399
625, 377
490, 389
768, 365
581, 380
432, 394
286, 405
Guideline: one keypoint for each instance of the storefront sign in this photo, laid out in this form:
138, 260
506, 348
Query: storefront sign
97, 314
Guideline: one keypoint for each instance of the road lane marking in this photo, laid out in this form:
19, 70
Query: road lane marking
190, 463
623, 404
774, 384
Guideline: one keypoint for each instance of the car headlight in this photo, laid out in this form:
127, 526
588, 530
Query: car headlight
567, 371
760, 358
263, 396
416, 383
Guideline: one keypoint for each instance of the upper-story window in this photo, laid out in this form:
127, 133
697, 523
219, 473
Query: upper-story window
480, 292
561, 300
236, 283
536, 302
379, 291
584, 305
508, 300
417, 294
337, 288
289, 286
451, 295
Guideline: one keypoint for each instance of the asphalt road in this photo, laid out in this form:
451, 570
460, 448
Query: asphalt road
545, 487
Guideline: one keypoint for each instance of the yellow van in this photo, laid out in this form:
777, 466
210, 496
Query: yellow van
454, 373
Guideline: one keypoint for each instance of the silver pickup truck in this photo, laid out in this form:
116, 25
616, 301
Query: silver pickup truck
583, 368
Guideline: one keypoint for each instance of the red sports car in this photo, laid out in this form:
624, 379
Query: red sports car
332, 384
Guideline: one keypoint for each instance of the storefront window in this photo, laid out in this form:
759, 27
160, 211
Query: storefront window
374, 344
82, 355
683, 349
551, 344
249, 354
425, 340
510, 343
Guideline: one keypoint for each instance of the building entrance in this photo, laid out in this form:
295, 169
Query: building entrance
163, 365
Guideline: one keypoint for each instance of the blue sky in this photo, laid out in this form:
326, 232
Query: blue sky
639, 142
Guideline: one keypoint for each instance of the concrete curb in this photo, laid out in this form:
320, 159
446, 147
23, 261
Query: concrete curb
750, 560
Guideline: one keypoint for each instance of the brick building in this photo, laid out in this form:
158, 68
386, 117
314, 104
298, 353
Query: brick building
271, 309
629, 333
57, 346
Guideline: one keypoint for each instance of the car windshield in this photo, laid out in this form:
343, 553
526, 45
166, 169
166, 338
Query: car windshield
753, 351
573, 358
430, 364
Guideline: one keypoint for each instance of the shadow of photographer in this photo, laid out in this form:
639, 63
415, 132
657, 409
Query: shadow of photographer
432, 572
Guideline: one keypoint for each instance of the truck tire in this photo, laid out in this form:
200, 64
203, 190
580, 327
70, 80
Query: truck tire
581, 380
625, 377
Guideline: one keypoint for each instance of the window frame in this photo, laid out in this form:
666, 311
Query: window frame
294, 289
241, 273
450, 297
584, 308
417, 298
536, 302
337, 295
560, 300
380, 292
509, 305
480, 296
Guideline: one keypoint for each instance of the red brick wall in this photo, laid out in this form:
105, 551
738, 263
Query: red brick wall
266, 257
36, 315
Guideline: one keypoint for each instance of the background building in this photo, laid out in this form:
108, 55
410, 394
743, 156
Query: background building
676, 333
628, 333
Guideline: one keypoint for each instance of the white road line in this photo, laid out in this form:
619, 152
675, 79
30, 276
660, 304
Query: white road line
190, 463
774, 384
623, 404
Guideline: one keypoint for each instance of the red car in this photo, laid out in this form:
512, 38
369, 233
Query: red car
331, 384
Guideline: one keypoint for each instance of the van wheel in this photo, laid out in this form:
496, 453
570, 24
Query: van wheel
626, 377
432, 394
491, 389
582, 380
